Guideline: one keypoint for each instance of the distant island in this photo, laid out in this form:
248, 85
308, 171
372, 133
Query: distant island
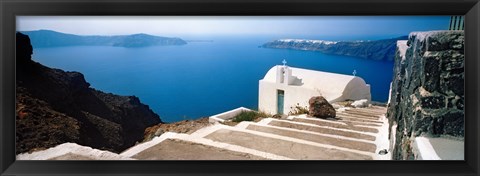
48, 38
199, 40
375, 49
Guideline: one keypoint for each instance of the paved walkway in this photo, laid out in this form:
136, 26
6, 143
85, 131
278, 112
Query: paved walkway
355, 134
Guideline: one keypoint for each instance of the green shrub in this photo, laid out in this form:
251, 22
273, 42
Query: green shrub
297, 110
249, 116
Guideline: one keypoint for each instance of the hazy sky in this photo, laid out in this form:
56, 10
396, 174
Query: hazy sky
275, 25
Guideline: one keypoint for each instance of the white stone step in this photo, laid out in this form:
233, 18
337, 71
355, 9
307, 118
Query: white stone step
174, 149
322, 129
175, 146
281, 145
381, 108
357, 124
366, 110
346, 118
334, 124
380, 138
356, 135
329, 139
368, 114
359, 116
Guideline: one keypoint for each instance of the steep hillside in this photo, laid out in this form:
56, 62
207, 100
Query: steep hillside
54, 107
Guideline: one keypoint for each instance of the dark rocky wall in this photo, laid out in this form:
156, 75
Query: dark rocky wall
427, 93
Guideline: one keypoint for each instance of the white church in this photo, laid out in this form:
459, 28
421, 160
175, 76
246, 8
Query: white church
284, 87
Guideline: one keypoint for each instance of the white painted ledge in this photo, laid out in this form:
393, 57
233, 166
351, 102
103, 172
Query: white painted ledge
440, 148
222, 117
72, 148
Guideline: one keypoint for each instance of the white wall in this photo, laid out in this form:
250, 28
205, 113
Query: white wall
334, 87
267, 100
356, 89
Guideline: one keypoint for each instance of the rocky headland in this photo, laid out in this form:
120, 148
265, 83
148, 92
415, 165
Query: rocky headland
55, 107
376, 49
48, 38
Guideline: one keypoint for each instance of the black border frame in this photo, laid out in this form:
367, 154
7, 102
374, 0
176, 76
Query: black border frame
10, 8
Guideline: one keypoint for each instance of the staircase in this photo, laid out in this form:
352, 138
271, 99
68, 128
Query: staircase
355, 134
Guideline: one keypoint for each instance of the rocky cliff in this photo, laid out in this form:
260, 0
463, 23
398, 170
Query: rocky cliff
54, 107
377, 50
427, 91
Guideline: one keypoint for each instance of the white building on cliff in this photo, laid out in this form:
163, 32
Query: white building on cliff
285, 87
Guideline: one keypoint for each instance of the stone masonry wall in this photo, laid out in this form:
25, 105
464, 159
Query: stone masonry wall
427, 91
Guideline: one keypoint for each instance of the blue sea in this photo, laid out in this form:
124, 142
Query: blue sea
201, 79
